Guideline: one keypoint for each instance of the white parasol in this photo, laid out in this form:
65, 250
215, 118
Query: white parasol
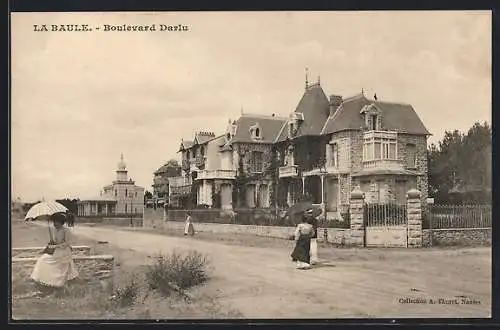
45, 209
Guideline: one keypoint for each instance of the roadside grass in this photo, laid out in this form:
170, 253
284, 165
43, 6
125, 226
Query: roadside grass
140, 288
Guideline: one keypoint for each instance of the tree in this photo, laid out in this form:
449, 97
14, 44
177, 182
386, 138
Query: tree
147, 195
172, 168
460, 161
71, 204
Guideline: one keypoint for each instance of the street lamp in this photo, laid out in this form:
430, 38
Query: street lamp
131, 212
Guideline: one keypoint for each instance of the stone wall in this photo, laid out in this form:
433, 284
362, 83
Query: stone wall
335, 236
420, 141
96, 270
457, 237
35, 252
122, 222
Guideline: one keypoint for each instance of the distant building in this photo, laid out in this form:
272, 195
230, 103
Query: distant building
121, 198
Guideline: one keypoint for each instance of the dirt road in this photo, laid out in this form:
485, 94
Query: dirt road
262, 282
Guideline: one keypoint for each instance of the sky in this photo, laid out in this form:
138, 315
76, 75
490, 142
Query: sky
80, 99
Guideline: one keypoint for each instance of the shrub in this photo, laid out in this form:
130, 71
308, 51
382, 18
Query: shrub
176, 273
125, 296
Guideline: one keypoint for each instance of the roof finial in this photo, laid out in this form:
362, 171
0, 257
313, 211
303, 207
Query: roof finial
241, 109
375, 97
307, 82
362, 91
319, 80
121, 157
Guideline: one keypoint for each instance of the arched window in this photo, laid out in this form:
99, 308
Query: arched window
126, 193
116, 192
202, 150
257, 132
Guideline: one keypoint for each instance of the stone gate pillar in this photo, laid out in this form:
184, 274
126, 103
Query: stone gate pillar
414, 212
357, 224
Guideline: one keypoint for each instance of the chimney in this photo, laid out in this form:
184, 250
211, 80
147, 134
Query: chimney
335, 102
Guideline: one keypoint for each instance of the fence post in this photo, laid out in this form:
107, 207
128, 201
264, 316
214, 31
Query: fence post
414, 211
357, 222
429, 216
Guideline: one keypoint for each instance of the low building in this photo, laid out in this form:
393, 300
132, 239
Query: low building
121, 198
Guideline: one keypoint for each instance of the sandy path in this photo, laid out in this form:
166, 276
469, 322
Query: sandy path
262, 282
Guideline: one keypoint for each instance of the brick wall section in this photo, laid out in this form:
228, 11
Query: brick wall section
96, 270
357, 223
414, 211
35, 252
457, 237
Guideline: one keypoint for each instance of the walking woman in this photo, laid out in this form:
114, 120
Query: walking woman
55, 267
189, 228
303, 233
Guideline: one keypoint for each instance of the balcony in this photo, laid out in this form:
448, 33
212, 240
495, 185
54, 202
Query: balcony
383, 164
216, 174
380, 135
288, 171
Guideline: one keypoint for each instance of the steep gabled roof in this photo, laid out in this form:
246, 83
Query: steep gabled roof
315, 108
185, 145
397, 117
270, 127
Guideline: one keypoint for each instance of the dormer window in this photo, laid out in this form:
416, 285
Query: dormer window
256, 132
372, 116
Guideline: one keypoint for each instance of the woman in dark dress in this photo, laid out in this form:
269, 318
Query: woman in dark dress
301, 253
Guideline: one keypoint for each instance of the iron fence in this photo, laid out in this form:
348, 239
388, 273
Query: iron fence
385, 214
457, 216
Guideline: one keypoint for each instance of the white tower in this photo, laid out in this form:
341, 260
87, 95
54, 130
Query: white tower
121, 172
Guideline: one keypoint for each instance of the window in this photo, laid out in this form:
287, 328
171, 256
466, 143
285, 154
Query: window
255, 131
373, 123
116, 193
376, 148
126, 208
411, 155
187, 154
126, 193
335, 155
256, 161
136, 194
202, 151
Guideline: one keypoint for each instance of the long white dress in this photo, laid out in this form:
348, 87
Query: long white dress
188, 227
56, 269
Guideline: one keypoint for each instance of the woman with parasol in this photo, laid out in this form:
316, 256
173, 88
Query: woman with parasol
55, 267
305, 214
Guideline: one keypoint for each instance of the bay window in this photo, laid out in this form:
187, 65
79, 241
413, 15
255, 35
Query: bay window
377, 148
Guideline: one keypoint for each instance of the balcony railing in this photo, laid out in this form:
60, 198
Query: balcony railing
288, 171
216, 174
390, 135
385, 164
